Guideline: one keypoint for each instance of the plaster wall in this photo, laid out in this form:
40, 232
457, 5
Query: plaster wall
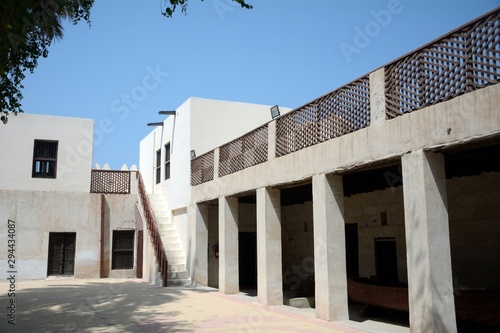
474, 223
214, 122
149, 265
365, 210
120, 215
36, 214
473, 210
74, 158
297, 236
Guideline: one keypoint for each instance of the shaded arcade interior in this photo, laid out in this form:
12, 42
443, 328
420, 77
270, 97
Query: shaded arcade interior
375, 229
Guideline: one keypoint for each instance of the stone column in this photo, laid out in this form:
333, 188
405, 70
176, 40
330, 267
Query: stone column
270, 275
377, 96
228, 246
430, 282
329, 248
271, 140
216, 163
199, 212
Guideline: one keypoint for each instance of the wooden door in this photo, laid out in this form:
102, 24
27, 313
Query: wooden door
61, 260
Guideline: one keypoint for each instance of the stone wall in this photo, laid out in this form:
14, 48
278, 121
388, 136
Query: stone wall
37, 214
474, 213
297, 235
366, 210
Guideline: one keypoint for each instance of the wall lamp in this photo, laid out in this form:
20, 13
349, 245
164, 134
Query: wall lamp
275, 111
168, 113
193, 154
155, 124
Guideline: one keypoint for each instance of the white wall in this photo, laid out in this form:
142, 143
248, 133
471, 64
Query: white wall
214, 123
74, 160
201, 125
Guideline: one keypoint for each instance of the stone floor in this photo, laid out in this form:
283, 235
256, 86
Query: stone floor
60, 305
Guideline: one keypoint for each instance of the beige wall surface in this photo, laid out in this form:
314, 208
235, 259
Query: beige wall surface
36, 214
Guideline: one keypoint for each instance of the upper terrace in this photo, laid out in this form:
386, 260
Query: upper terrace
380, 107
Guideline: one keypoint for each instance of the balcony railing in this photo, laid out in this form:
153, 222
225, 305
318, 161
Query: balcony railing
202, 168
244, 152
465, 60
110, 182
462, 61
342, 111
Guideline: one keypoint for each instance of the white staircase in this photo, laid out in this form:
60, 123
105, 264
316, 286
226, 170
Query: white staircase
177, 272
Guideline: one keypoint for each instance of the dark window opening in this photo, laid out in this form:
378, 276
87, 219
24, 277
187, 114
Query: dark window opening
167, 161
44, 159
123, 249
158, 166
383, 218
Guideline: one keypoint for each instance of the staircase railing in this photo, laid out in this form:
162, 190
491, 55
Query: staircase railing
154, 232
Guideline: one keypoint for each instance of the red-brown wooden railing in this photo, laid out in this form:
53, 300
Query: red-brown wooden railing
154, 232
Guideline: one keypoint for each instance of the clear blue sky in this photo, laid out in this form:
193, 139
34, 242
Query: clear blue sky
133, 62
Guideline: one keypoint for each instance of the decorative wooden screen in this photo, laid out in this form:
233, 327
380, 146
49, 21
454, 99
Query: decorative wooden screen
244, 152
110, 182
202, 168
462, 61
342, 111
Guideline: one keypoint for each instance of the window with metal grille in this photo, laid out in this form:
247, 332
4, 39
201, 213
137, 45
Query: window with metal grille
44, 159
158, 166
167, 161
123, 249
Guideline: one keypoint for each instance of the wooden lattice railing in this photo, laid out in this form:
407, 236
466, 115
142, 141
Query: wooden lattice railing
110, 182
342, 111
462, 61
202, 168
246, 151
154, 232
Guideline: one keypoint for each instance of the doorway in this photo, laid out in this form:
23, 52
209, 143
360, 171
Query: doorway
386, 259
247, 261
351, 250
61, 260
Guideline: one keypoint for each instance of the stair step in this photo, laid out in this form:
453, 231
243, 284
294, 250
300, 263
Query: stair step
179, 282
175, 253
172, 246
169, 236
176, 267
176, 260
161, 215
170, 240
178, 275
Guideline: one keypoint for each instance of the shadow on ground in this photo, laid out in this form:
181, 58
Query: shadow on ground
89, 306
